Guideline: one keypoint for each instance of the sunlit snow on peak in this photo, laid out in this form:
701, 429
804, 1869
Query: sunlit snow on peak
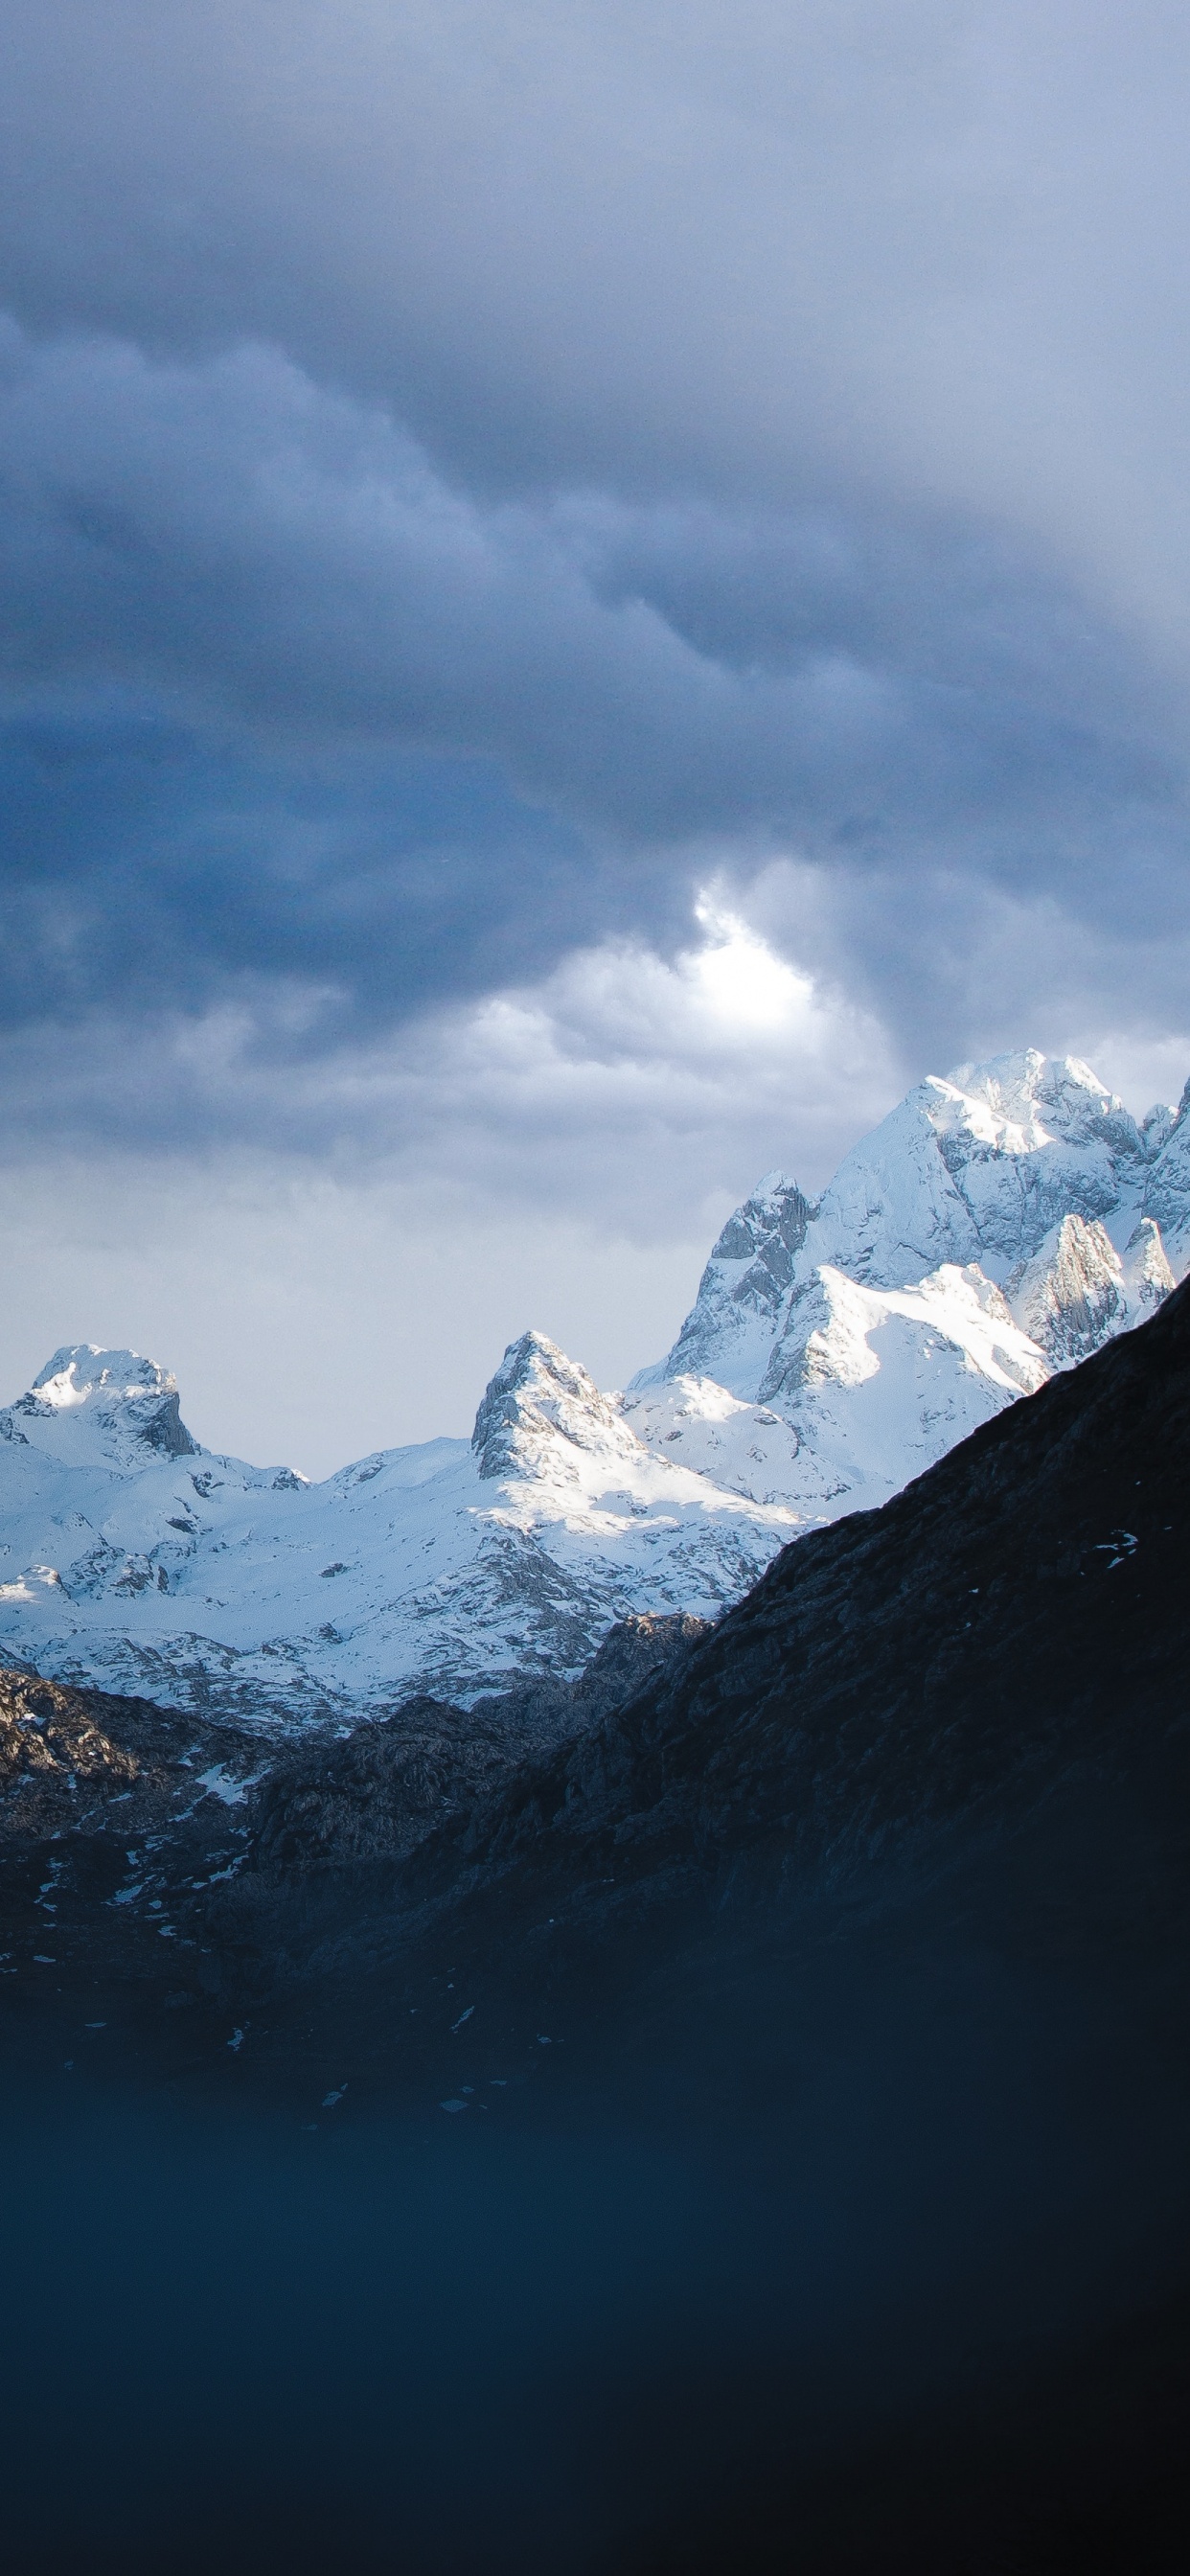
81, 1372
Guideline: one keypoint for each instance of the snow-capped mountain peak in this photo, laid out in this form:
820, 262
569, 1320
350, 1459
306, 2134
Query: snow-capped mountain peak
81, 1373
980, 1169
1045, 1100
88, 1402
537, 1398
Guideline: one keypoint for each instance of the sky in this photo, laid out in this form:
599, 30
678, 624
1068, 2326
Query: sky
589, 593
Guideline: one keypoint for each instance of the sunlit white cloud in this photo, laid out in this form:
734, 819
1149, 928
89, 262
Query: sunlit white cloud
645, 1084
672, 1069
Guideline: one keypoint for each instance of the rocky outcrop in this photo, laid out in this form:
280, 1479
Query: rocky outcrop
743, 1289
536, 1404
124, 1825
51, 1747
1077, 1290
1071, 1297
376, 1795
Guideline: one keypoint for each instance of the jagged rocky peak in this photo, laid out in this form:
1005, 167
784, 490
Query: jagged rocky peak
1167, 1195
975, 1170
1047, 1098
765, 1233
1077, 1290
1147, 1273
119, 1391
1158, 1124
743, 1289
538, 1402
1070, 1297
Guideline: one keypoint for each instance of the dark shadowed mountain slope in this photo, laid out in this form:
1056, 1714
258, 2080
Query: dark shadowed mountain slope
840, 1974
1018, 1617
1011, 1627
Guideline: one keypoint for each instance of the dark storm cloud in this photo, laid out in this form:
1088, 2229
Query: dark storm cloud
160, 863
460, 465
288, 597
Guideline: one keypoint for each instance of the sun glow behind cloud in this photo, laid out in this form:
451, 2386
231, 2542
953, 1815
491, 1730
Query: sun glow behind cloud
560, 1153
620, 1026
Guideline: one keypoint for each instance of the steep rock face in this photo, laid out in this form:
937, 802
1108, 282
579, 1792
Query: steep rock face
1148, 1277
743, 1289
1077, 1290
1071, 1295
1167, 1189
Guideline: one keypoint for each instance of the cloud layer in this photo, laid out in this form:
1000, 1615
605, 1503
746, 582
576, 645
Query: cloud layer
478, 481
282, 701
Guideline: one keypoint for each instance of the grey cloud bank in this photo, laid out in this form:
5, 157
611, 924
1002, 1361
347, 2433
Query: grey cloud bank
222, 580
471, 477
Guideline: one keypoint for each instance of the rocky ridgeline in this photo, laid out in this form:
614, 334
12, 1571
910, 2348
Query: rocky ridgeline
996, 1228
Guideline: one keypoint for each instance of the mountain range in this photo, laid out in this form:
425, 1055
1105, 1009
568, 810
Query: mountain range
792, 2012
996, 1228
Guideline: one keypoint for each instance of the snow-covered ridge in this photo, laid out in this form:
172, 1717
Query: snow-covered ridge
981, 1170
155, 1566
996, 1226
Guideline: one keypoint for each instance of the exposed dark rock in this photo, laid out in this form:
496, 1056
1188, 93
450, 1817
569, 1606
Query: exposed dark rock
50, 1745
146, 1818
162, 1427
100, 1795
380, 1791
